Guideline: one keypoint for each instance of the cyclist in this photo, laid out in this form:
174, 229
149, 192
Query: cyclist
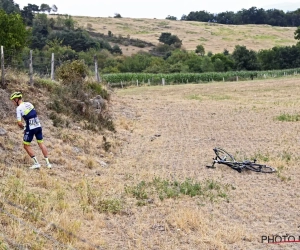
31, 128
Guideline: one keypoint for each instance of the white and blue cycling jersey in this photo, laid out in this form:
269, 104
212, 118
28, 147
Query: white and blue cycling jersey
27, 111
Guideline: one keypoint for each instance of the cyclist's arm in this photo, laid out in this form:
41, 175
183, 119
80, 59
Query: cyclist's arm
20, 124
19, 118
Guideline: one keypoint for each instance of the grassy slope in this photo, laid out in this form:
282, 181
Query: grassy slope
214, 37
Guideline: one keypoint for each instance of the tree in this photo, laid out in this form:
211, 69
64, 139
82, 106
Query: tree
9, 6
268, 59
194, 63
183, 17
69, 23
54, 8
116, 49
227, 62
136, 63
78, 40
45, 7
200, 16
225, 52
13, 32
200, 50
207, 65
227, 17
178, 56
297, 34
219, 65
171, 17
117, 15
170, 39
28, 13
245, 59
40, 31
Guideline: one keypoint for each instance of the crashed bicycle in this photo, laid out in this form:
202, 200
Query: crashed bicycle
223, 157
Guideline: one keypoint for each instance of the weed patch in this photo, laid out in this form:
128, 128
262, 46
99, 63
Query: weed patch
288, 118
263, 157
109, 206
194, 97
162, 189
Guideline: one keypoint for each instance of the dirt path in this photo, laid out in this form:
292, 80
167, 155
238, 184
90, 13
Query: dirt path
170, 132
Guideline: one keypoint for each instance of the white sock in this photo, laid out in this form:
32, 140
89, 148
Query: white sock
34, 160
47, 160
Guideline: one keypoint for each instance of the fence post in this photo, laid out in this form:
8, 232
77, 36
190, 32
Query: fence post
30, 69
137, 83
52, 67
96, 69
2, 67
163, 81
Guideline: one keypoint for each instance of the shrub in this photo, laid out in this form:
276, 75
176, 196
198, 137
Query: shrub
73, 100
70, 72
98, 89
109, 206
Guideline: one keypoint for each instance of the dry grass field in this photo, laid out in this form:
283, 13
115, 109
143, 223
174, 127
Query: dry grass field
214, 37
115, 197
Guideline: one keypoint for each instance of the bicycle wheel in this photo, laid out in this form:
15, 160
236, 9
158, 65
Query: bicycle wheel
260, 168
223, 155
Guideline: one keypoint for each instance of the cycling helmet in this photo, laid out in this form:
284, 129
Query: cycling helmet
16, 95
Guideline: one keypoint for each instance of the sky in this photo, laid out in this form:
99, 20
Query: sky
159, 9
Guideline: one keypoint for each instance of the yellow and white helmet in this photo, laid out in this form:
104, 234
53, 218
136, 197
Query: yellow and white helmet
16, 95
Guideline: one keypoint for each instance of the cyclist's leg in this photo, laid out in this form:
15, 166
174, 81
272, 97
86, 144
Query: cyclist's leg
40, 141
39, 138
27, 139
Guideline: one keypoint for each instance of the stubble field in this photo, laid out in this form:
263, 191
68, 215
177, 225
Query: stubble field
193, 119
163, 133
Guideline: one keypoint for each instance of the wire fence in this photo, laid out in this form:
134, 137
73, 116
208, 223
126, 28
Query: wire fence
41, 65
37, 63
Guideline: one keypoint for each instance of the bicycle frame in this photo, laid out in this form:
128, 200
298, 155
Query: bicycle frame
221, 156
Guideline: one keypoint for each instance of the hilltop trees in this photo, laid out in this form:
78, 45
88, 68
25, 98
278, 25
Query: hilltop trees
252, 15
171, 18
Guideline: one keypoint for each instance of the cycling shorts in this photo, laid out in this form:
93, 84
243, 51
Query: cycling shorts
29, 134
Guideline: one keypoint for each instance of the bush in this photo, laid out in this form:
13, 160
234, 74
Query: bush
70, 72
98, 89
74, 101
